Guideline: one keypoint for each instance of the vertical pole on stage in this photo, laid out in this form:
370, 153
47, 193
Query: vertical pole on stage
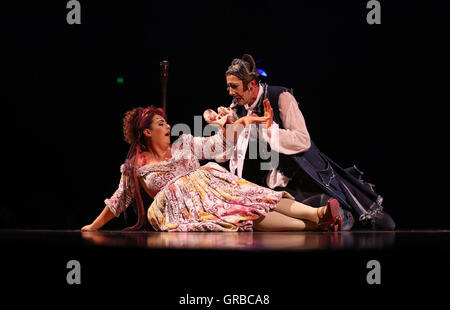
164, 67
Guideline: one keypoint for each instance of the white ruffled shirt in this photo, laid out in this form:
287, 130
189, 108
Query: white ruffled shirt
291, 140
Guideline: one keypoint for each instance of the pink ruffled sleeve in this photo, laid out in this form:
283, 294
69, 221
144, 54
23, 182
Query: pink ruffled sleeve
117, 204
213, 147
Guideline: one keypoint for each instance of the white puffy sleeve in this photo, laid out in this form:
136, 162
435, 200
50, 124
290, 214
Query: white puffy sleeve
294, 138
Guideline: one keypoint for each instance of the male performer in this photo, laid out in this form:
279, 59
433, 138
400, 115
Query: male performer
309, 175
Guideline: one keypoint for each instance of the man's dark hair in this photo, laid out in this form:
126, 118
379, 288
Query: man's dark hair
245, 69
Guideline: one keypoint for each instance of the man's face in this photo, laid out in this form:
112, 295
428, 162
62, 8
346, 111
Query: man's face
236, 90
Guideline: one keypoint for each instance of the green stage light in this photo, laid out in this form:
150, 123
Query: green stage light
120, 80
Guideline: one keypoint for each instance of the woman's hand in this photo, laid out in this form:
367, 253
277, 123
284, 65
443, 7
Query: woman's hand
89, 227
100, 221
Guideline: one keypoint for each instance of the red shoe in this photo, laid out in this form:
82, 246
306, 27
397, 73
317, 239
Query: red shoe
330, 219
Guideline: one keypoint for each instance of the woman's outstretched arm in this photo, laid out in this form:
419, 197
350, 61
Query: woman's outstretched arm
100, 221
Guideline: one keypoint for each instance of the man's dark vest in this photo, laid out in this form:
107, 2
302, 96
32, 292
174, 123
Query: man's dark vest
346, 185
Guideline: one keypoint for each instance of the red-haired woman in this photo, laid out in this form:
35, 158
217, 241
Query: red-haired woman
190, 197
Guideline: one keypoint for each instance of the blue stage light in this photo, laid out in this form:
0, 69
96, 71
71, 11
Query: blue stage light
262, 72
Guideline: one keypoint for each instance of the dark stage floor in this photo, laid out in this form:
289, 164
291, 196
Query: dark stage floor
242, 262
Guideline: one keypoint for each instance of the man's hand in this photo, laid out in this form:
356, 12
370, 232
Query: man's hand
268, 112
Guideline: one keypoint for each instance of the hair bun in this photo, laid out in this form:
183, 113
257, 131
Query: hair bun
249, 59
129, 127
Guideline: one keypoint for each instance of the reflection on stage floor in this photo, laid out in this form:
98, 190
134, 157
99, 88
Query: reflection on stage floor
260, 241
162, 259
246, 241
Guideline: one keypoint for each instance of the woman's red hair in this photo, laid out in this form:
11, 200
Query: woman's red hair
134, 123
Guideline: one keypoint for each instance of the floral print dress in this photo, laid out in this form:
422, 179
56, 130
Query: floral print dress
190, 197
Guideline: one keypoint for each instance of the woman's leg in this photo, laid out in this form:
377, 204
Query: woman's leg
297, 210
275, 221
317, 200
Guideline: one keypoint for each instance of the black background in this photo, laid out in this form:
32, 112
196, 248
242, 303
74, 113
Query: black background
372, 95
